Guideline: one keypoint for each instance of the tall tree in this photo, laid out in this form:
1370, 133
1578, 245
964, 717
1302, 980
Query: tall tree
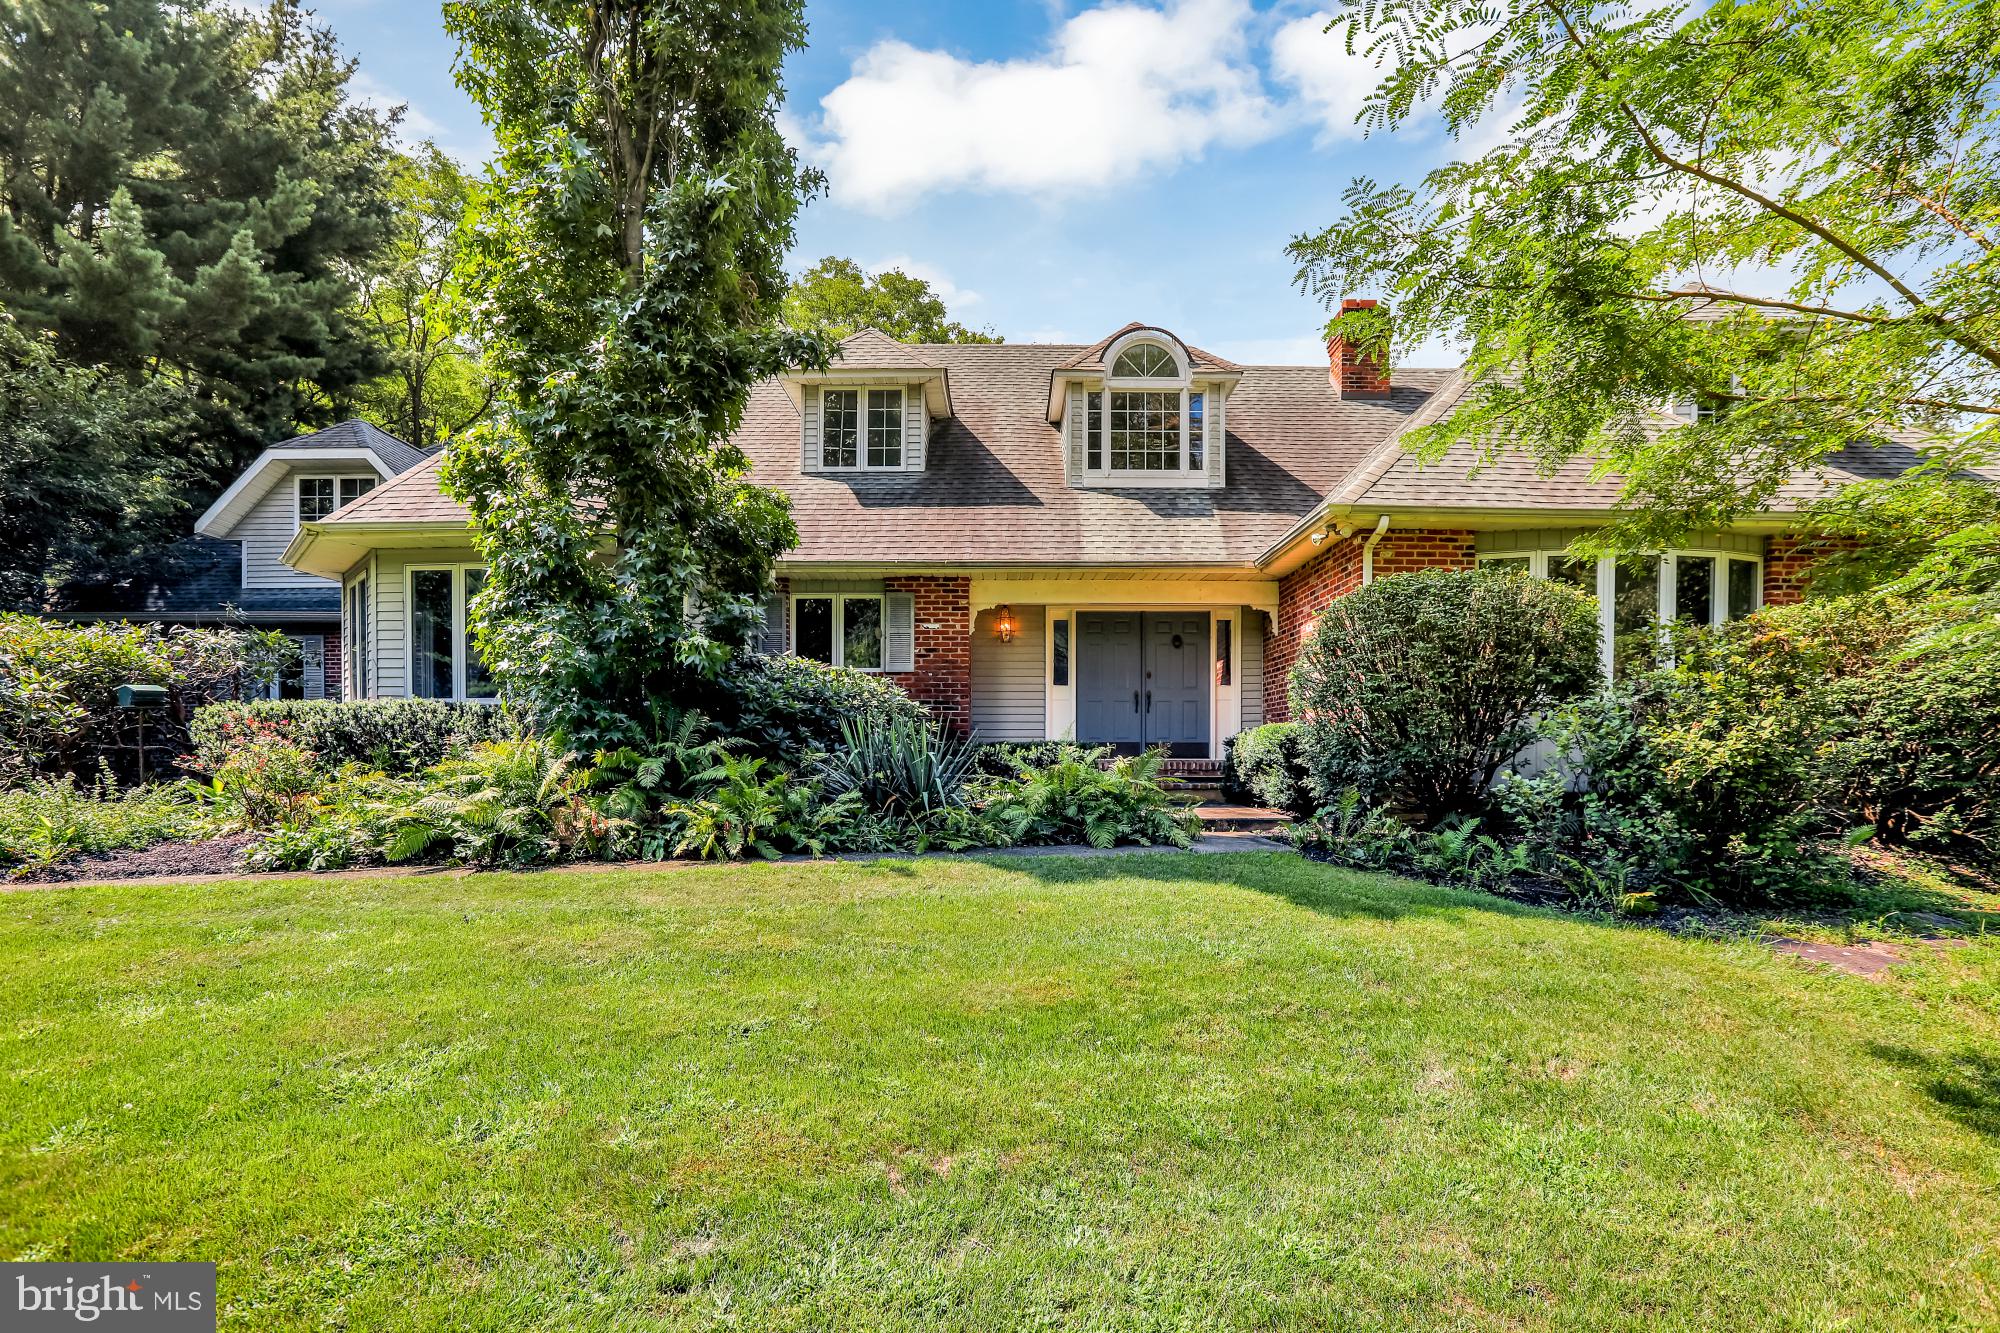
183, 186
835, 297
1836, 158
628, 265
413, 304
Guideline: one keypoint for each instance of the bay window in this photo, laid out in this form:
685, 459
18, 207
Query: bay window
444, 663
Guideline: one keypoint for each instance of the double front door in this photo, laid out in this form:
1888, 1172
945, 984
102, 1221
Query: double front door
1142, 679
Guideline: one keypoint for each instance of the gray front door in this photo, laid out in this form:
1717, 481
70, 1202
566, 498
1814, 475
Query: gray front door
1143, 679
1110, 679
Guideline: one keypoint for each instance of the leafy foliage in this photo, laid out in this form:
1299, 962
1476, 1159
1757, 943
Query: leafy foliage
785, 708
264, 780
1418, 687
835, 297
1640, 150
627, 263
413, 305
1074, 799
59, 685
1267, 765
514, 802
396, 736
50, 819
752, 812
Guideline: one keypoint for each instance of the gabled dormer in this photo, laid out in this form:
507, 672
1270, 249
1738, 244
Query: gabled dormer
871, 410
1142, 408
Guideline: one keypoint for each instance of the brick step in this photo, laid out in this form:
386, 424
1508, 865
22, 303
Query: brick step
1217, 818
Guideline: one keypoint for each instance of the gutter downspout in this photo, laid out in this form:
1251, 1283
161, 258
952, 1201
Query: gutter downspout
1368, 550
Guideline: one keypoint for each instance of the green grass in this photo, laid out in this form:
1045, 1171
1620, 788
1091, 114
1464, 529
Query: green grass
1139, 1092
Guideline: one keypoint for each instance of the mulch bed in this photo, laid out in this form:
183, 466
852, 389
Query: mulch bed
217, 856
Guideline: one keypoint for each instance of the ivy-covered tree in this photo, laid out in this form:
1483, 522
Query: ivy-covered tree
1818, 179
184, 186
413, 304
627, 265
836, 297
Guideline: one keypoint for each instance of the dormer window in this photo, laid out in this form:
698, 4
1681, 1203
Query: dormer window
861, 428
1143, 409
1146, 361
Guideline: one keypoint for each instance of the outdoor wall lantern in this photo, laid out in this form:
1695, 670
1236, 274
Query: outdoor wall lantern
1003, 624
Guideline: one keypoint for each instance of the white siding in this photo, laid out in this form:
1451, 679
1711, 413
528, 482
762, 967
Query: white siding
809, 428
390, 627
1250, 666
1073, 421
274, 520
915, 426
1007, 695
1214, 433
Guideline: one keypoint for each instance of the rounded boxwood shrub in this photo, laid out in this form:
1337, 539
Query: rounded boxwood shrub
1266, 765
785, 708
1416, 688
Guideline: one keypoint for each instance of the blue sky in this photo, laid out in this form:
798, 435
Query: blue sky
1055, 170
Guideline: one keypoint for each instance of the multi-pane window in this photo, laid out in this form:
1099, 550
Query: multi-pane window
1059, 652
444, 662
1146, 432
1145, 361
840, 631
885, 428
353, 488
357, 645
316, 498
840, 428
1196, 409
1093, 434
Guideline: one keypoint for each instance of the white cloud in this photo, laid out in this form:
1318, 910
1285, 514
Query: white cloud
1332, 83
1122, 90
954, 296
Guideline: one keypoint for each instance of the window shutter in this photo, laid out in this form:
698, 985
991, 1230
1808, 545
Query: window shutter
312, 662
772, 641
809, 428
1213, 434
899, 632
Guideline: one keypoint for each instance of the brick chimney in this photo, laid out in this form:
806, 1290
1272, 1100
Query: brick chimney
1355, 375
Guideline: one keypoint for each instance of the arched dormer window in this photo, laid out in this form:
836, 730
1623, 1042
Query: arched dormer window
1146, 361
1146, 422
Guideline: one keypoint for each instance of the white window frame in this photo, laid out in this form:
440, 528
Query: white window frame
1182, 384
840, 601
861, 392
1664, 602
299, 519
461, 637
340, 485
357, 611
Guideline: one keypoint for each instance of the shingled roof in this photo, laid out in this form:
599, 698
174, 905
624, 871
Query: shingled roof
397, 455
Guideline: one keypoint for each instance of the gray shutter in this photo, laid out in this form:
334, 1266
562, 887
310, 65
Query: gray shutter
1074, 424
312, 663
915, 426
809, 428
772, 641
899, 632
1213, 434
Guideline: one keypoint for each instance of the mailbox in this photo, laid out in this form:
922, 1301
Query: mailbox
142, 696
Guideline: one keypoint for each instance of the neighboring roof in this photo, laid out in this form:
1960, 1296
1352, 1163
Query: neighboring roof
201, 579
351, 441
398, 455
1091, 358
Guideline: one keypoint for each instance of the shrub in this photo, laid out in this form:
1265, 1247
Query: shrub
1074, 800
517, 802
769, 815
397, 736
1266, 765
897, 767
1418, 687
50, 819
59, 687
786, 708
267, 780
1003, 759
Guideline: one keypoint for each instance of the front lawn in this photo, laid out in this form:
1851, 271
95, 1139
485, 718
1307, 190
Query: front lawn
1136, 1092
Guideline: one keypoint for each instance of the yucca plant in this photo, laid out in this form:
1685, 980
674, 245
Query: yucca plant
898, 766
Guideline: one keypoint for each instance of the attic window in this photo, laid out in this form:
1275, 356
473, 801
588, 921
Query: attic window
353, 488
1145, 361
861, 428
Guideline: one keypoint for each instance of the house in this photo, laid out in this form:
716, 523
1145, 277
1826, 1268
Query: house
1125, 542
231, 571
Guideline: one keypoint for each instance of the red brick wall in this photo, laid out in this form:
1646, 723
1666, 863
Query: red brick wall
1354, 375
1788, 563
942, 680
1308, 590
335, 682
